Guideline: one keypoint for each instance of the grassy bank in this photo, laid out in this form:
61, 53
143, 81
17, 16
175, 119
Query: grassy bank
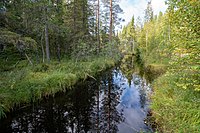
176, 110
153, 71
27, 84
175, 106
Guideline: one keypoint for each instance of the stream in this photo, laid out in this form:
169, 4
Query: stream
114, 102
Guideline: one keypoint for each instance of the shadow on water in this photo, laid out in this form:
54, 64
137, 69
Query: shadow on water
117, 101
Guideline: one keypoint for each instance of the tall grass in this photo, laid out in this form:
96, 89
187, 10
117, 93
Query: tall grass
28, 84
176, 110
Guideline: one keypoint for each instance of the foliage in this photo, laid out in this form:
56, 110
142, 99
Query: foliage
177, 95
32, 31
148, 12
8, 37
58, 29
172, 40
185, 41
175, 109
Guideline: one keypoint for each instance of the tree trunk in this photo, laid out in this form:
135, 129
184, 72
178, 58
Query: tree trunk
37, 56
73, 47
98, 36
146, 42
47, 43
132, 47
74, 16
43, 53
110, 35
169, 32
58, 50
84, 16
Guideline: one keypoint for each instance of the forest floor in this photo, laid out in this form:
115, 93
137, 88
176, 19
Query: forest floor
23, 85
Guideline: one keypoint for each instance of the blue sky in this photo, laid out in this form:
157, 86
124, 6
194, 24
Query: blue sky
137, 7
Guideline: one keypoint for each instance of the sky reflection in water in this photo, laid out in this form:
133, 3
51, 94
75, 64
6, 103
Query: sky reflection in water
109, 104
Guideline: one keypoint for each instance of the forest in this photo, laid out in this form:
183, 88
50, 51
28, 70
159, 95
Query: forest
171, 41
47, 46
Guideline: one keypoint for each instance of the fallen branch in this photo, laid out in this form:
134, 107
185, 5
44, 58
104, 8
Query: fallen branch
28, 59
90, 76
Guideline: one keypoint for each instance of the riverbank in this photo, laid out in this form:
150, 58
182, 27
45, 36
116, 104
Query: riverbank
153, 71
28, 84
81, 105
175, 109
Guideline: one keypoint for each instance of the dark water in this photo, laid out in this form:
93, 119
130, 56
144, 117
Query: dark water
109, 104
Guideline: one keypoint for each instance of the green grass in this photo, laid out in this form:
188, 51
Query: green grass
25, 84
176, 110
153, 71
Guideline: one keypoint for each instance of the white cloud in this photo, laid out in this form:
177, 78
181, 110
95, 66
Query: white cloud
131, 8
137, 7
158, 5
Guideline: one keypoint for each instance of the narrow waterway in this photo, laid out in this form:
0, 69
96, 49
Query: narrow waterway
111, 103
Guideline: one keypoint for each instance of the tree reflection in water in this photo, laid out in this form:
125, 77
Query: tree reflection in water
110, 116
133, 69
115, 102
90, 106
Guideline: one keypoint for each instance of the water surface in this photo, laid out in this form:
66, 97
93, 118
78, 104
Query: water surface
111, 103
